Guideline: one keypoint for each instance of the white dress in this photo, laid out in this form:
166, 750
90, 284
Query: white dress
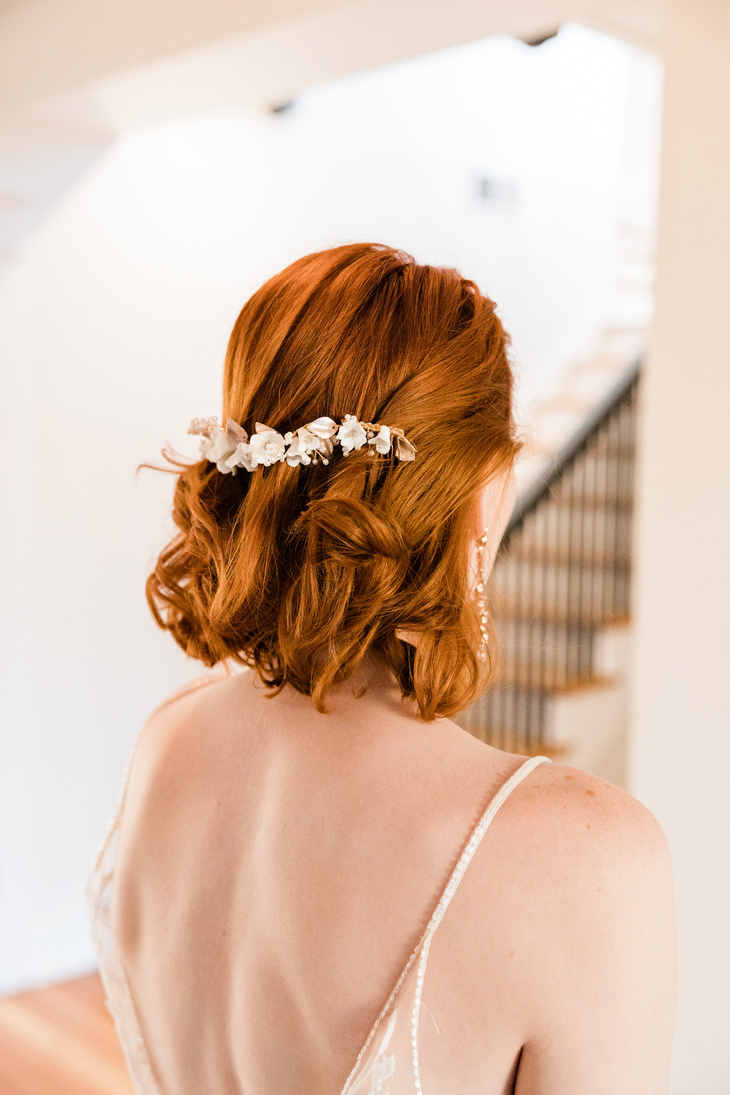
388, 1063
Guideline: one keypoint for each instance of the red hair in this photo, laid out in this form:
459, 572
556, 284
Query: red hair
299, 571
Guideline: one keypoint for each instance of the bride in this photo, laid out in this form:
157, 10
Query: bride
316, 883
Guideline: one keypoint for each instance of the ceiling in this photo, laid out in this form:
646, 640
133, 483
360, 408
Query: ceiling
75, 73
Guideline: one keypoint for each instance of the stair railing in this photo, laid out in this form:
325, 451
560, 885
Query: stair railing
562, 573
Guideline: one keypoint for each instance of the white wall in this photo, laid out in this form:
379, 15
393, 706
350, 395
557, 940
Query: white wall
113, 324
681, 737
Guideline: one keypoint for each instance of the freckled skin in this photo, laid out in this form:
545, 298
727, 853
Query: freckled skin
617, 984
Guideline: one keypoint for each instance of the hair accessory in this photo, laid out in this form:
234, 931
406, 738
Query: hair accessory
231, 448
481, 597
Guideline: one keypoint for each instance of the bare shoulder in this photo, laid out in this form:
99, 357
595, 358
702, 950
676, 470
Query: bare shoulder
181, 699
167, 739
602, 962
586, 815
592, 845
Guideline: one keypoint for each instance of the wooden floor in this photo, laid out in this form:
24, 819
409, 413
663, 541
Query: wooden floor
61, 1041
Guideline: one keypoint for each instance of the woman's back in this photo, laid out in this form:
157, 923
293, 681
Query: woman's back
281, 870
277, 867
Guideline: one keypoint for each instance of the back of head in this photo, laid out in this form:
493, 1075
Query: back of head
300, 571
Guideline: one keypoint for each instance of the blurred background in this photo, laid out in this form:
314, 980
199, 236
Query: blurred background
158, 161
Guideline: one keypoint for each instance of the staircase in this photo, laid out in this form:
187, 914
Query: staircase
560, 600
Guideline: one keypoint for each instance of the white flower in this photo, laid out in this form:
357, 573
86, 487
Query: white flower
351, 435
231, 448
267, 446
204, 447
220, 446
381, 440
308, 441
297, 451
217, 449
303, 443
315, 442
241, 458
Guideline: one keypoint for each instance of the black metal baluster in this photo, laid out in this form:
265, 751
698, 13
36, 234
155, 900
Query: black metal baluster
583, 605
590, 509
569, 612
609, 523
632, 423
564, 572
514, 612
523, 668
544, 540
527, 656
620, 504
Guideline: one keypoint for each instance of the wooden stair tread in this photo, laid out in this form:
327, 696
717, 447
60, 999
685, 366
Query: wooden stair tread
622, 501
61, 1040
574, 555
563, 573
528, 614
511, 743
568, 688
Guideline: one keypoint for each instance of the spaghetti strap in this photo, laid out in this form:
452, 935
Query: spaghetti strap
421, 950
392, 1057
451, 887
476, 838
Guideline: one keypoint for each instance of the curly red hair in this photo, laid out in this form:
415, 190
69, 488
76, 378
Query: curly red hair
299, 571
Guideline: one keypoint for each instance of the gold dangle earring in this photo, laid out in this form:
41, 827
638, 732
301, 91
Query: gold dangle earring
481, 597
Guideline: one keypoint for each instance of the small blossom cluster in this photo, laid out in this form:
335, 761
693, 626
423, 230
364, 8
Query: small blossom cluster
231, 447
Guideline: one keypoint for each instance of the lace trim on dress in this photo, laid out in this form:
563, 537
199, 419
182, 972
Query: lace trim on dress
111, 970
99, 892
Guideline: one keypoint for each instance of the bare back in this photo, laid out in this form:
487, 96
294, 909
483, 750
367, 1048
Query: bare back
277, 866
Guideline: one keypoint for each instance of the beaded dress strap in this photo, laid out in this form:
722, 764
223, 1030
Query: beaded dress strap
421, 949
451, 887
476, 838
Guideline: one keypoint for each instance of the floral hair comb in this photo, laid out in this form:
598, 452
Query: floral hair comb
231, 448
